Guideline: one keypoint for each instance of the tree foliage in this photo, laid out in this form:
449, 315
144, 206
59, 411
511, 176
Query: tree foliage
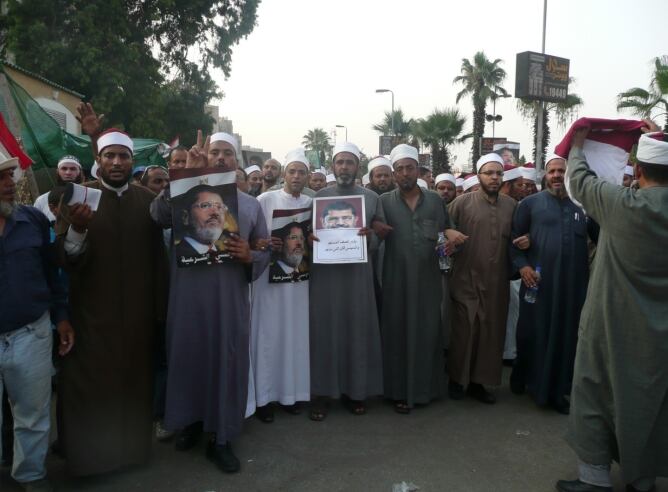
131, 57
646, 102
438, 131
318, 139
481, 80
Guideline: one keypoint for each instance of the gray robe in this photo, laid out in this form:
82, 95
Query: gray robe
411, 317
208, 331
345, 337
619, 402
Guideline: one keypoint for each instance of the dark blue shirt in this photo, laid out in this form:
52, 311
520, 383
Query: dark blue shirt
29, 283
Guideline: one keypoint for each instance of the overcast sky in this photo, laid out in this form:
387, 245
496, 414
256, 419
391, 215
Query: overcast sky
310, 63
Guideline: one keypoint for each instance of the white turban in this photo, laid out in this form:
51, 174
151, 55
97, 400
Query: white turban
511, 174
652, 150
94, 170
422, 184
252, 169
346, 147
528, 173
114, 138
365, 179
320, 171
8, 162
471, 182
459, 182
489, 158
552, 157
379, 161
404, 151
445, 177
225, 137
296, 155
68, 159
628, 170
330, 178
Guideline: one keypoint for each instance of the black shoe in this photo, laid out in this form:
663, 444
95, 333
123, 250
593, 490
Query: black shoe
265, 414
479, 392
294, 409
578, 486
188, 437
223, 456
455, 391
562, 406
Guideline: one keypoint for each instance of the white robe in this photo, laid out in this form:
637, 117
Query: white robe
510, 348
279, 339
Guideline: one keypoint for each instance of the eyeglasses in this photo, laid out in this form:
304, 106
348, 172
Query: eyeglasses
492, 173
209, 205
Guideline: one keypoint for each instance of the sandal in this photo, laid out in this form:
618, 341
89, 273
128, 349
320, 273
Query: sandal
356, 407
400, 406
294, 409
318, 411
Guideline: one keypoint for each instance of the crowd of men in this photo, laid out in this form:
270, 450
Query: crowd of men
197, 350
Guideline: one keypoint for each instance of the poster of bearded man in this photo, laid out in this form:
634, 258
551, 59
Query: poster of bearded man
289, 263
204, 214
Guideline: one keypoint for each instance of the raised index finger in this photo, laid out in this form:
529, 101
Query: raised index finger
199, 138
206, 144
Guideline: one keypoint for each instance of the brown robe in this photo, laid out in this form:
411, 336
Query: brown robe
117, 296
479, 288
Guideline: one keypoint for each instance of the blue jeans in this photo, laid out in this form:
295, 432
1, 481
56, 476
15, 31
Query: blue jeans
25, 371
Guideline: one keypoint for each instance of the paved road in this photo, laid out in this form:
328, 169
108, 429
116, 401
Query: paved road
446, 446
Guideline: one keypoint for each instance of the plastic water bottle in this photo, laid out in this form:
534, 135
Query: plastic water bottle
532, 292
443, 259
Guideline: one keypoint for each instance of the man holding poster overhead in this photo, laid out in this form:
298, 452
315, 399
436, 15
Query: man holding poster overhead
279, 305
208, 318
345, 338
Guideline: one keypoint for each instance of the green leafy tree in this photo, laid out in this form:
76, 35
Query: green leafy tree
318, 140
438, 131
130, 57
403, 128
646, 102
481, 80
564, 112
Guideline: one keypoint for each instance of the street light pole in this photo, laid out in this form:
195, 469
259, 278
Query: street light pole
346, 128
391, 92
540, 117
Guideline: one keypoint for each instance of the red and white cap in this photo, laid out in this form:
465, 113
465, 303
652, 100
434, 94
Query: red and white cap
114, 136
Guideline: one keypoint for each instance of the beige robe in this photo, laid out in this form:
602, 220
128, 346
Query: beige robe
479, 288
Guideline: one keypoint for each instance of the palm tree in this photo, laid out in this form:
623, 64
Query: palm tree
482, 81
318, 140
644, 102
439, 130
564, 111
403, 128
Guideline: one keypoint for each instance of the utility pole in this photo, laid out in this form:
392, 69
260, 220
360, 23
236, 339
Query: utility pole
540, 116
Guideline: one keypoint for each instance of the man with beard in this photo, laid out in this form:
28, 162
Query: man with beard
115, 261
411, 316
446, 187
32, 298
380, 175
155, 178
547, 331
204, 218
209, 308
619, 402
254, 180
345, 338
479, 284
513, 183
271, 171
280, 310
69, 171
318, 179
529, 177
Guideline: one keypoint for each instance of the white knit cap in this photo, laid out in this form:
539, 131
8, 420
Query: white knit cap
365, 179
528, 173
330, 178
225, 137
445, 177
628, 170
404, 151
422, 184
653, 150
94, 170
114, 138
346, 147
379, 161
471, 181
489, 158
552, 157
511, 174
252, 169
68, 159
8, 162
296, 155
459, 182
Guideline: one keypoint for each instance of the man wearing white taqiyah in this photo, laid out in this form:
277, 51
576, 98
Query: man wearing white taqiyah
280, 313
69, 171
619, 400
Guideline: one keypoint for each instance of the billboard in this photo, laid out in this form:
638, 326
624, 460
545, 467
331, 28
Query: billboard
541, 77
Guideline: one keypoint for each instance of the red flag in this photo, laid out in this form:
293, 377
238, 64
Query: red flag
13, 148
